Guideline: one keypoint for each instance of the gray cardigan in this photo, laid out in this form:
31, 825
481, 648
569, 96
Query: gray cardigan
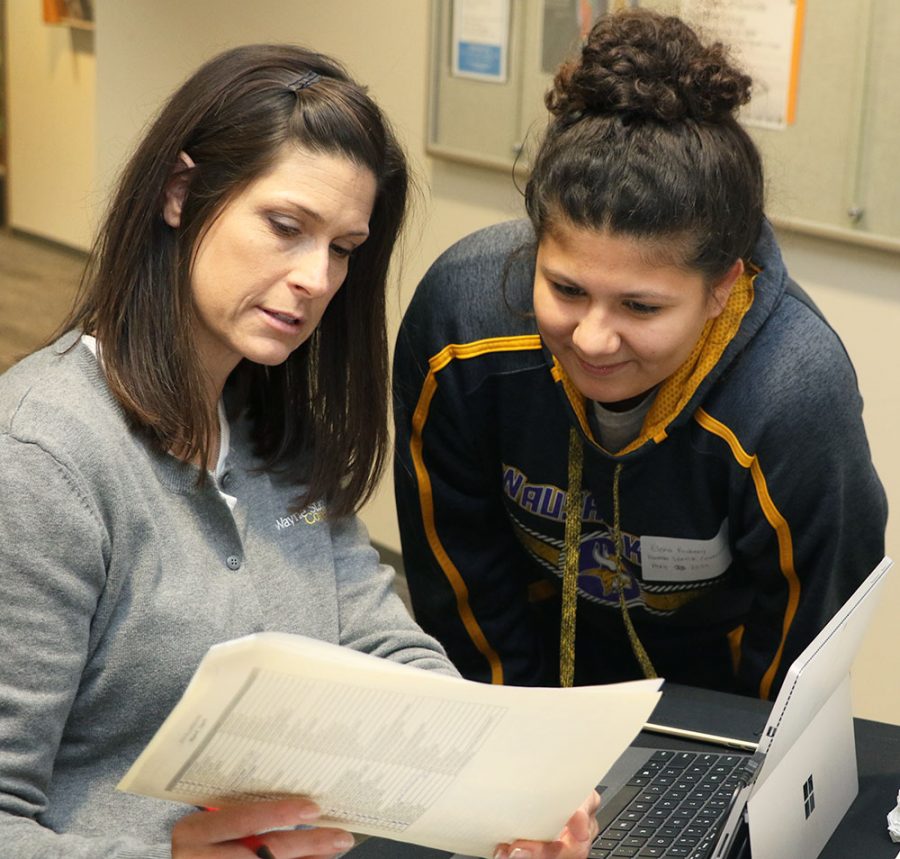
118, 573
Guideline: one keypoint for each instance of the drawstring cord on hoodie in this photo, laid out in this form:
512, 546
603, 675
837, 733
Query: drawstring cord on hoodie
571, 549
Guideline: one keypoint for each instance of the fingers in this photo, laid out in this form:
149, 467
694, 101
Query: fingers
530, 850
307, 842
238, 821
270, 830
582, 825
574, 842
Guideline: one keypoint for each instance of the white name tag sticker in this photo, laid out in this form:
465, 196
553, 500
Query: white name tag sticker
676, 559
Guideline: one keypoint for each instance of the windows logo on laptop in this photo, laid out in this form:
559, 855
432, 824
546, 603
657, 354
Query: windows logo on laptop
785, 798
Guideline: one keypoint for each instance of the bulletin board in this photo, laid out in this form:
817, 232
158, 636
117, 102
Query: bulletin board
833, 170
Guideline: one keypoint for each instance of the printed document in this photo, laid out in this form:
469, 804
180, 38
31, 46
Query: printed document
387, 749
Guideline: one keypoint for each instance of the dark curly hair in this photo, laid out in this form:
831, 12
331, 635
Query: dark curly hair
644, 141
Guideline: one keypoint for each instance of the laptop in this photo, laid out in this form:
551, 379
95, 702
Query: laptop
785, 798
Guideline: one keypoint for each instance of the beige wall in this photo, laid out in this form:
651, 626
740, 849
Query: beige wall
146, 46
859, 291
51, 86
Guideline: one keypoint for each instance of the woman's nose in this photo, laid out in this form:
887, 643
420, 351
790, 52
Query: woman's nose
311, 271
596, 335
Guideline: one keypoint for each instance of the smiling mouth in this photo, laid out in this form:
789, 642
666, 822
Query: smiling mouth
600, 369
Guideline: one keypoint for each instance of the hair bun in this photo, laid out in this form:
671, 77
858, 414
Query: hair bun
645, 65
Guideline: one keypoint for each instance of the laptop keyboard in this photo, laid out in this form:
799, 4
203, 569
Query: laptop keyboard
672, 807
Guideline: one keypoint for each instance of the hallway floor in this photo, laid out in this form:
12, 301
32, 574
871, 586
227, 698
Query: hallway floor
38, 281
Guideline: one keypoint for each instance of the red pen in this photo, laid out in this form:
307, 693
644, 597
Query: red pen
251, 842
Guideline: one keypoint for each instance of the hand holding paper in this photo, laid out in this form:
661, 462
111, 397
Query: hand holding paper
574, 841
288, 828
387, 749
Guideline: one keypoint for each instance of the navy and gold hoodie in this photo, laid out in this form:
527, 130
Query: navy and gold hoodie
726, 534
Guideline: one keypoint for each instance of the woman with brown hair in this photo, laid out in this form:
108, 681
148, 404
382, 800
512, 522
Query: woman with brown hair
182, 466
627, 442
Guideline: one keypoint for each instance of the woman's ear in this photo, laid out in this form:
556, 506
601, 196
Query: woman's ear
176, 190
719, 294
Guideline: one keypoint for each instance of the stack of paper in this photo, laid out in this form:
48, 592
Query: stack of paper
387, 749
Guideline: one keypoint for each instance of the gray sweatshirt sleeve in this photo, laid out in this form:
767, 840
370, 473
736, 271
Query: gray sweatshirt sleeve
113, 585
52, 568
372, 616
59, 603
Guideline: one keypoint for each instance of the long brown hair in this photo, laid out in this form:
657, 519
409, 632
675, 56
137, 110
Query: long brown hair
320, 418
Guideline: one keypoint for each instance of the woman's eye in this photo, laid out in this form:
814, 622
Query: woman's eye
640, 308
567, 291
343, 253
283, 228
